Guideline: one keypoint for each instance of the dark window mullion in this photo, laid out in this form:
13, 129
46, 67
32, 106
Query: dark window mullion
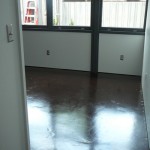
100, 13
146, 8
95, 36
49, 13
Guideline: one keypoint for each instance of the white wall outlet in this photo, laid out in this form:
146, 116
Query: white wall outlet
121, 57
47, 52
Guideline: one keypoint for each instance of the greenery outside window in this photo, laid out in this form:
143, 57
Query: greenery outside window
72, 13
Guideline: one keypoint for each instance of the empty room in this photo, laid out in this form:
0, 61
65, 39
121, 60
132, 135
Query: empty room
75, 75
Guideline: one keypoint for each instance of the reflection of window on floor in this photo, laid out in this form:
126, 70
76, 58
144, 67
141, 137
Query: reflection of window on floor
71, 12
123, 14
33, 12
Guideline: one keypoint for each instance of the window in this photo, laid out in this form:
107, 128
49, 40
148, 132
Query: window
71, 13
33, 12
115, 15
123, 13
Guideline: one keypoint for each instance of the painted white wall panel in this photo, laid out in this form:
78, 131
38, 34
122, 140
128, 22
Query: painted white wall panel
13, 125
67, 50
111, 46
73, 51
146, 73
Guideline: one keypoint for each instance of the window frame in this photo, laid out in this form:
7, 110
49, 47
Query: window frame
109, 30
116, 30
39, 27
51, 27
73, 28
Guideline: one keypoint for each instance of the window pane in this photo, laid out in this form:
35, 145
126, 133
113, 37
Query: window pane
33, 12
71, 12
123, 14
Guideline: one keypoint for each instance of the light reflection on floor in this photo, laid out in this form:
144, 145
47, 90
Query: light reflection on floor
55, 130
71, 129
71, 111
115, 128
40, 125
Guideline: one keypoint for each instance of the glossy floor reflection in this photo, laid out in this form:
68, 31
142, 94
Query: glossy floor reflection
68, 110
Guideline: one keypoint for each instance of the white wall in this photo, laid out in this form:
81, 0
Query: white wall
111, 46
146, 73
13, 129
73, 51
68, 50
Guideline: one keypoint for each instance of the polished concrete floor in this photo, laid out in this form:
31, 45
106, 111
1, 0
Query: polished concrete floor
69, 110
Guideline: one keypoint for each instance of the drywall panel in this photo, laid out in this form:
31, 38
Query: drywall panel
146, 73
111, 46
67, 50
13, 122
